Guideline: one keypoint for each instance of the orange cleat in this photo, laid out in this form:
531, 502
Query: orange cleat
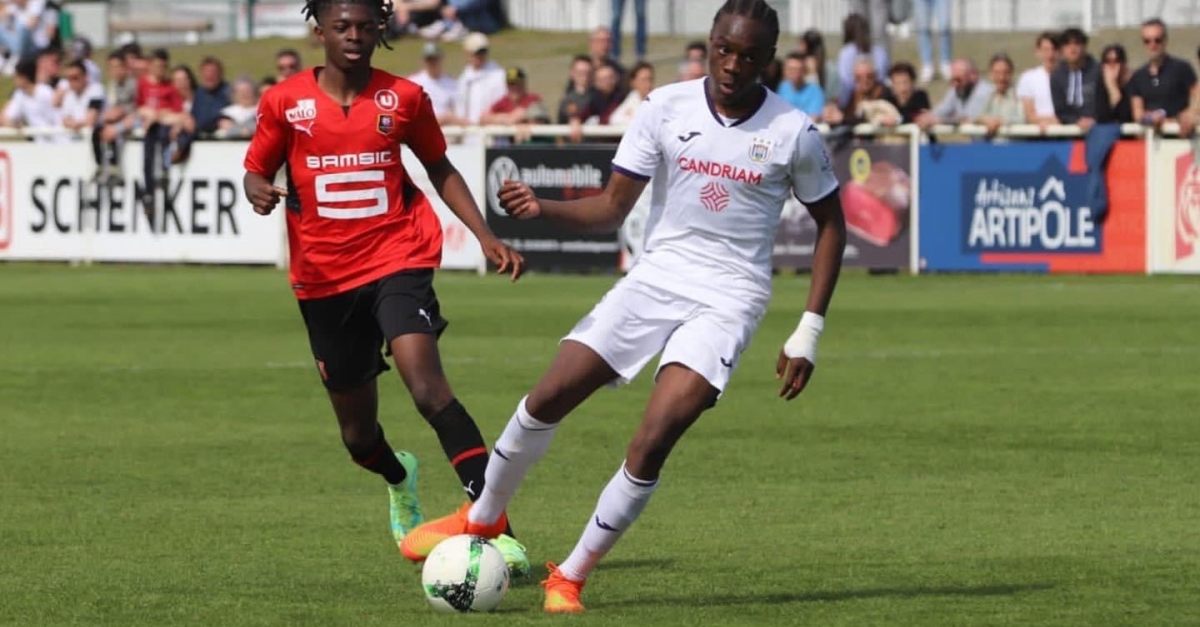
562, 594
419, 542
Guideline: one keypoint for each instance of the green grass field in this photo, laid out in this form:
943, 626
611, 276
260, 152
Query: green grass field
974, 450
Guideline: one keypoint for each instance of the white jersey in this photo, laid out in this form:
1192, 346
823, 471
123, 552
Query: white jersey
441, 91
719, 190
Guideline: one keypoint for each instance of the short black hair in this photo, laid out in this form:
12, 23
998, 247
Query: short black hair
78, 65
313, 8
211, 60
288, 52
27, 69
116, 55
161, 54
581, 58
796, 56
132, 48
1156, 21
1073, 35
1001, 57
903, 67
697, 45
757, 10
1049, 36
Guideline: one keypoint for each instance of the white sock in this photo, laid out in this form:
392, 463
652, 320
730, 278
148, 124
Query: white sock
621, 502
522, 444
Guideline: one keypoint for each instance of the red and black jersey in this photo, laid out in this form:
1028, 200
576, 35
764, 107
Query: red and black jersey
354, 215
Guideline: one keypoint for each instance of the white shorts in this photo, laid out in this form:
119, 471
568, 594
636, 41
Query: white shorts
634, 322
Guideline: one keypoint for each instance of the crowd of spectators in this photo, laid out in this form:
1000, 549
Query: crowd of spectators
171, 106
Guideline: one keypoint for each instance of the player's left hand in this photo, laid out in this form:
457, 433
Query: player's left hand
795, 373
506, 260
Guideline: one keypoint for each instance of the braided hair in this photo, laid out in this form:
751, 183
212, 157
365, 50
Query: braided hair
757, 10
312, 8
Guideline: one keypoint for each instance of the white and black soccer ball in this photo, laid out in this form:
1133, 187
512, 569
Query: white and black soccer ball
464, 574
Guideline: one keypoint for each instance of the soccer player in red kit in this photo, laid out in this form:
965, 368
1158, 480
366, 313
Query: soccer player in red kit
364, 244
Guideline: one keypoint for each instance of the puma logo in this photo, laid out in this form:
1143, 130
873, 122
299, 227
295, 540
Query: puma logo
307, 130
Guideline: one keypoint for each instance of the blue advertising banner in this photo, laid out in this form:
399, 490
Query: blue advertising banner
1027, 207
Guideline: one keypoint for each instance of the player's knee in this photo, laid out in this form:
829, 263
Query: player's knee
360, 439
430, 396
648, 452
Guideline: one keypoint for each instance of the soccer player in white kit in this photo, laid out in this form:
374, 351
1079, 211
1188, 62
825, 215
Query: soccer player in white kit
724, 152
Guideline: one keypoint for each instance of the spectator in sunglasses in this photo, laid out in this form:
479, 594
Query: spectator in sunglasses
1161, 90
1114, 68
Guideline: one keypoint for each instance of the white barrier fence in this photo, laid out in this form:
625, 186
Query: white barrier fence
50, 210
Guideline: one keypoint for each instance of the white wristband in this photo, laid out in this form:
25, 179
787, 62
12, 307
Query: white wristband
803, 342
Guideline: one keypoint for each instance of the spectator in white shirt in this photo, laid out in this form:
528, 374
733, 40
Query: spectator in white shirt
83, 100
1033, 88
32, 104
240, 118
440, 87
641, 83
481, 84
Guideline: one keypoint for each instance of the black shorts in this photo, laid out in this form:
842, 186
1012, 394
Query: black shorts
347, 331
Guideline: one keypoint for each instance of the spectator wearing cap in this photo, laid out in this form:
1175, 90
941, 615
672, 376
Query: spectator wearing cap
964, 101
795, 89
287, 64
519, 105
1161, 90
1003, 107
1076, 84
909, 100
481, 84
440, 86
212, 96
32, 104
1116, 75
1033, 87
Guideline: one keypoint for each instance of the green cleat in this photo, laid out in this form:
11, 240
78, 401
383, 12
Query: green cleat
405, 506
514, 555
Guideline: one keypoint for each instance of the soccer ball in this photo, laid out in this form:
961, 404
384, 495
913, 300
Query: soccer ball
464, 574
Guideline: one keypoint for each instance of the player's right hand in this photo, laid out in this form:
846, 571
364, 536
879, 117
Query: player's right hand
264, 196
518, 200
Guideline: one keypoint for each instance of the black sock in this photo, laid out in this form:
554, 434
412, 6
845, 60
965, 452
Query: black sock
464, 447
380, 459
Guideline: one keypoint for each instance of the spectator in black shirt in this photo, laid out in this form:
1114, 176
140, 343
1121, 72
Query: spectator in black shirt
909, 101
1076, 83
1161, 90
1115, 71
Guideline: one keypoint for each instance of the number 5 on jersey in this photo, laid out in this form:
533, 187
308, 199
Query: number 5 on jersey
327, 196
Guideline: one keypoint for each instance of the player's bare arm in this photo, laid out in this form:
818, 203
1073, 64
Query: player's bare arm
449, 184
595, 214
798, 356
